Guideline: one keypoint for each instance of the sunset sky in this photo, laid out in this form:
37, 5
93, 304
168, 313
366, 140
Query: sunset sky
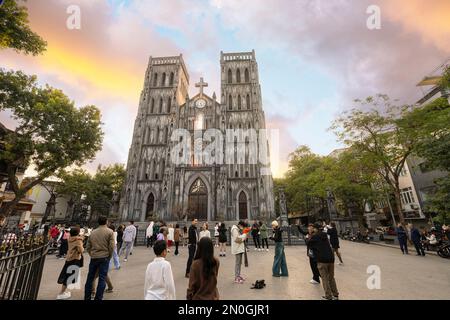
314, 57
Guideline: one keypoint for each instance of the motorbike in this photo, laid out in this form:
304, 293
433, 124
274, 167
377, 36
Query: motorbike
359, 237
444, 251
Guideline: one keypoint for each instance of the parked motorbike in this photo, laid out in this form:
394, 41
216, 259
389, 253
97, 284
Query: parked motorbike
444, 251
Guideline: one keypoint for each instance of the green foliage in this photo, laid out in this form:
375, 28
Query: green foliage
310, 176
439, 203
51, 132
98, 190
15, 32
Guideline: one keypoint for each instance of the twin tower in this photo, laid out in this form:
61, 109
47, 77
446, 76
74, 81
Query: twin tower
179, 161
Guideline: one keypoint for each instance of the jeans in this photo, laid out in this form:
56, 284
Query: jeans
115, 259
237, 265
101, 265
279, 261
177, 243
403, 245
329, 284
256, 241
264, 240
126, 246
191, 248
314, 269
419, 248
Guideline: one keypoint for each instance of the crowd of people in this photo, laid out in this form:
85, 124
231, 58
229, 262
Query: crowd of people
106, 244
422, 240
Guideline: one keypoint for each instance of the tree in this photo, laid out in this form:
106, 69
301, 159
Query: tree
15, 32
51, 132
379, 130
96, 191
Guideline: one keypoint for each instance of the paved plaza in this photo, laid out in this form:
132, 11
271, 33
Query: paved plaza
402, 277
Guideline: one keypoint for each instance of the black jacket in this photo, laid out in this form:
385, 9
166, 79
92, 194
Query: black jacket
277, 235
321, 247
334, 239
193, 235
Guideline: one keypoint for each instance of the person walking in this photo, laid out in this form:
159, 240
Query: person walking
170, 236
64, 242
192, 245
204, 273
129, 234
115, 258
159, 283
323, 252
74, 261
216, 235
120, 237
416, 240
222, 240
255, 235
205, 232
334, 240
264, 235
177, 237
149, 234
185, 236
402, 238
100, 247
237, 249
279, 268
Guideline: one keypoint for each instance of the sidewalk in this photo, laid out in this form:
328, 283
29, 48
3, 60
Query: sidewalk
410, 248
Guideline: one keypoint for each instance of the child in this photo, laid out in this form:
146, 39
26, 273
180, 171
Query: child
74, 258
159, 284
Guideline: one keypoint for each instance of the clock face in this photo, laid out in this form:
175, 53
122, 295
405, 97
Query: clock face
200, 103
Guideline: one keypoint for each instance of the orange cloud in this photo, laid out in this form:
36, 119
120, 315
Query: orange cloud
429, 19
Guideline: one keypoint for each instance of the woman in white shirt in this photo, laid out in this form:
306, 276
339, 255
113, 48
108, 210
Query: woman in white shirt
216, 235
205, 232
159, 284
170, 236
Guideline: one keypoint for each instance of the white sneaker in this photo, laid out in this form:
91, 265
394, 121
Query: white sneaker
66, 295
340, 263
267, 250
125, 260
312, 281
256, 249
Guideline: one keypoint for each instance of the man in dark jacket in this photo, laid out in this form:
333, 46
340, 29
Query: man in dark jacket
415, 239
192, 245
334, 240
402, 238
325, 262
312, 260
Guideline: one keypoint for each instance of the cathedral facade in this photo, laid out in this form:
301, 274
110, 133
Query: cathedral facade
205, 156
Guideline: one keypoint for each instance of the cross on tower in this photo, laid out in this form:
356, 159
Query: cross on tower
200, 85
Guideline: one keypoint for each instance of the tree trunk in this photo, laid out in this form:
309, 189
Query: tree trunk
50, 205
8, 207
398, 204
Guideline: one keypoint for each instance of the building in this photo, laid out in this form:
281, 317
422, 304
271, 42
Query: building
195, 156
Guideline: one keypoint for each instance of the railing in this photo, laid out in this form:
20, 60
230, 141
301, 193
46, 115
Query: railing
22, 257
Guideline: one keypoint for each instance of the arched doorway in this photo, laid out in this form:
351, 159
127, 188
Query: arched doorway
198, 200
150, 205
243, 206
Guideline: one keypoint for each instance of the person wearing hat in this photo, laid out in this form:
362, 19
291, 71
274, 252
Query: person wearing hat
279, 268
323, 252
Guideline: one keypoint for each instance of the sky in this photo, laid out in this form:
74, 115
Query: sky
314, 57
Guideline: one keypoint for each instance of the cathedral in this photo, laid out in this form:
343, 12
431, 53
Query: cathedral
202, 156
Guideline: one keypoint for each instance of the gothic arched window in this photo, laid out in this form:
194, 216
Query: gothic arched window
247, 75
230, 102
230, 76
169, 104
247, 101
171, 79
239, 102
152, 106
238, 76
155, 80
160, 105
163, 80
